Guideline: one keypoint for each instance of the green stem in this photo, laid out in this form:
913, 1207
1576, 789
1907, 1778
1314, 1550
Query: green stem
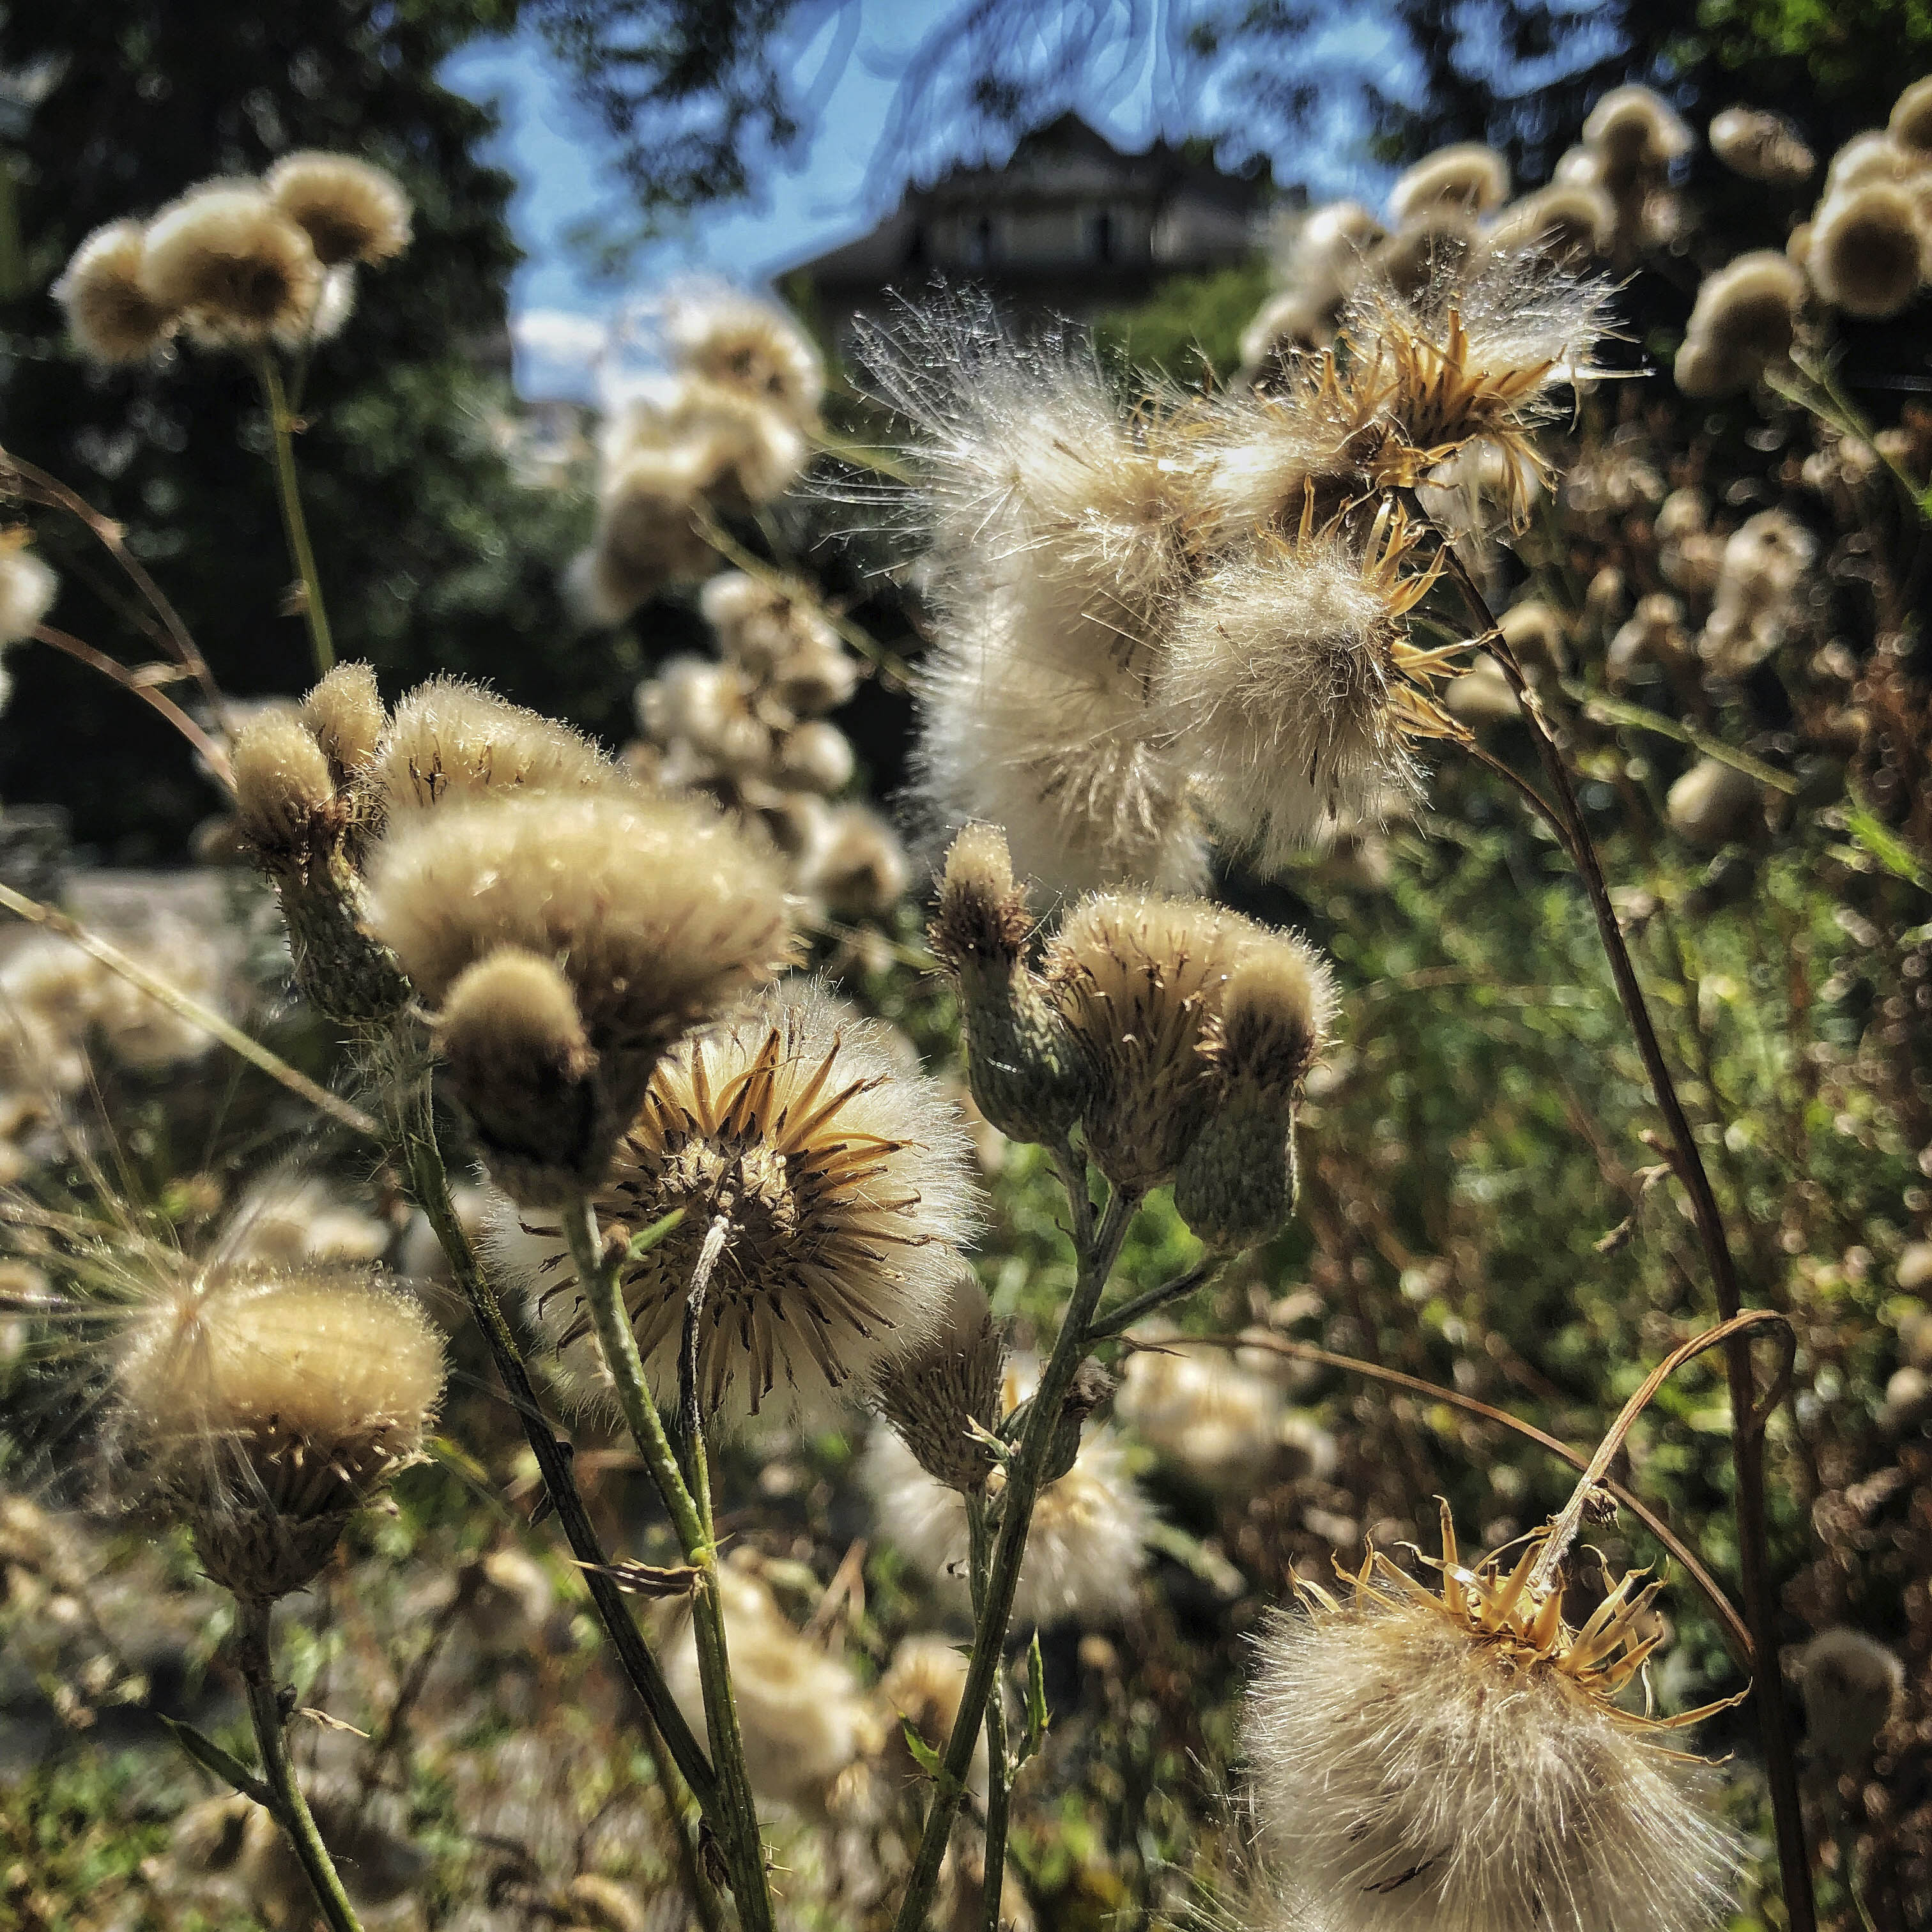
734, 1809
1118, 1321
429, 1187
1747, 1427
290, 1807
294, 525
1096, 1248
999, 1768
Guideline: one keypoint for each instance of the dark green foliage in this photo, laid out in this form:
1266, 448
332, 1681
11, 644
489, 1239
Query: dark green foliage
432, 557
1189, 329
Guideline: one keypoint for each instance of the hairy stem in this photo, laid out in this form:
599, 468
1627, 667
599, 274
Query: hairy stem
291, 1809
733, 1811
429, 1187
1747, 1425
294, 525
1096, 1247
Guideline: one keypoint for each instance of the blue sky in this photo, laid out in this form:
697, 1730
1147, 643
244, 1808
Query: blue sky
827, 191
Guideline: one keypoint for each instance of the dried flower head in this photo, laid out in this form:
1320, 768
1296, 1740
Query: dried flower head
803, 1717
1220, 1422
815, 756
1567, 221
1634, 132
28, 588
858, 868
1713, 803
761, 628
1910, 122
657, 910
646, 537
1085, 1547
263, 1409
753, 345
832, 1189
1742, 321
1138, 979
285, 793
350, 210
943, 1394
239, 270
712, 707
1868, 248
1466, 176
1294, 694
1872, 156
1760, 146
345, 714
110, 315
453, 741
924, 1684
1851, 1683
1422, 254
1761, 568
1457, 1761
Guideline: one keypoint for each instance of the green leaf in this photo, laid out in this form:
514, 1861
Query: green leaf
1884, 845
923, 1755
212, 1757
1038, 1717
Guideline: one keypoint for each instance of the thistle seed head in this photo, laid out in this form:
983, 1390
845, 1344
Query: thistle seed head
285, 793
345, 714
226, 259
754, 346
937, 1394
1867, 250
350, 210
110, 315
1467, 176
452, 740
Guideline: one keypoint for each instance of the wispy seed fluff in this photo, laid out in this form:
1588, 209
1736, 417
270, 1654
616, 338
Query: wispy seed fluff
263, 1408
838, 1184
1455, 1761
748, 345
110, 315
1284, 684
227, 258
800, 1708
350, 210
1085, 1548
1868, 249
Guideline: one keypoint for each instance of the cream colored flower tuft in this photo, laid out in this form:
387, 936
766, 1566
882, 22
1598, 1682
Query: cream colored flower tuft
263, 1409
1467, 176
226, 258
1867, 249
1759, 145
1222, 1423
1458, 1761
28, 589
350, 210
110, 315
450, 740
1742, 323
754, 346
842, 1187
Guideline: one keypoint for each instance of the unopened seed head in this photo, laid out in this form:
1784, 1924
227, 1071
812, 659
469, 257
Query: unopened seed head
110, 315
659, 912
1467, 176
843, 1184
452, 740
513, 1045
345, 712
228, 260
264, 1407
1866, 253
984, 919
1456, 1762
1138, 979
350, 210
1275, 1013
284, 791
936, 1394
28, 589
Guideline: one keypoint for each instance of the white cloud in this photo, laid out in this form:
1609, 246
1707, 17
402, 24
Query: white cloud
558, 334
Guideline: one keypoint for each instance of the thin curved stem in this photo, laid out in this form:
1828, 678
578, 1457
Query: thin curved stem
734, 1809
205, 749
252, 1656
999, 1766
1568, 819
1117, 1321
295, 524
1096, 1247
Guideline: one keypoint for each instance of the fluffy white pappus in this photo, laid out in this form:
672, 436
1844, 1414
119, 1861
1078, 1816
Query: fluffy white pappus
747, 344
28, 589
844, 1184
1079, 771
1037, 490
1742, 321
1764, 562
1278, 687
1284, 324
110, 317
1467, 175
1322, 256
802, 1714
1220, 1422
1414, 1779
1086, 1546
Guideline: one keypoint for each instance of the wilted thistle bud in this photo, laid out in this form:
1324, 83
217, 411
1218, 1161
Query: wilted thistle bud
1092, 1385
344, 713
451, 740
1027, 1074
517, 1058
939, 1394
301, 825
263, 1409
1139, 979
1236, 1184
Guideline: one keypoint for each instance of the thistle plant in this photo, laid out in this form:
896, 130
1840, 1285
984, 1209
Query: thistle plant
1167, 629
